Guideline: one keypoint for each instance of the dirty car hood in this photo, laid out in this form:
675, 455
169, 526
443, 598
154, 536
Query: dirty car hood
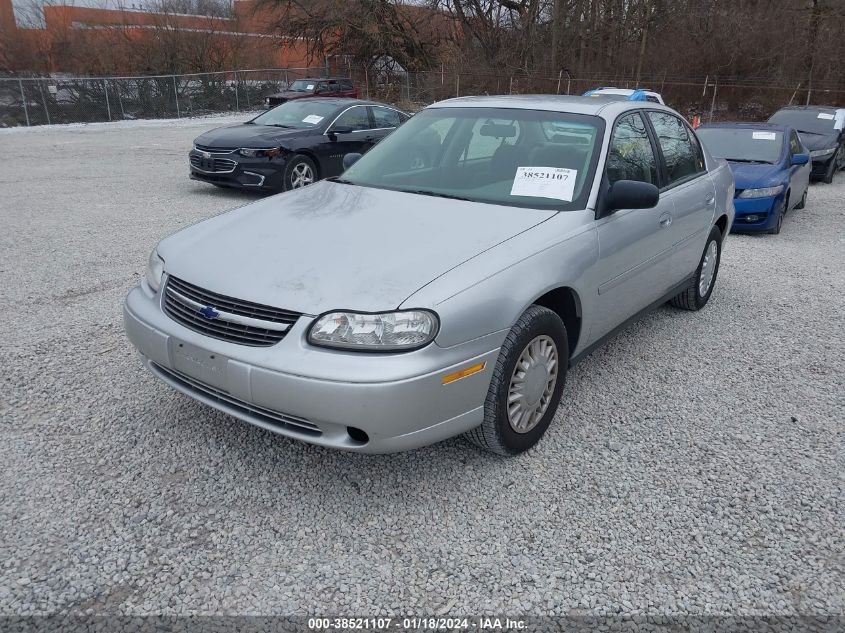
333, 245
247, 135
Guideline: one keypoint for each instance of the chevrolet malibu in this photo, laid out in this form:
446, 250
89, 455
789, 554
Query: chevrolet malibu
405, 303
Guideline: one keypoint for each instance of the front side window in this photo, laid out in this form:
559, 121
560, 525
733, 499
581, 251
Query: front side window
356, 118
794, 144
493, 155
631, 156
682, 159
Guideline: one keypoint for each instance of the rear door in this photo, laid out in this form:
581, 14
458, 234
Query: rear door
689, 187
635, 246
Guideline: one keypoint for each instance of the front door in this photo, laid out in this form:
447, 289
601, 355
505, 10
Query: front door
350, 133
635, 245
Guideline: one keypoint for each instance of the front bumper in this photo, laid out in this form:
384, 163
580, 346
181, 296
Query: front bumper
820, 166
234, 170
756, 214
292, 388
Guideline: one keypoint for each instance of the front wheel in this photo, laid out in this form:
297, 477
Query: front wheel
299, 172
698, 294
527, 384
834, 163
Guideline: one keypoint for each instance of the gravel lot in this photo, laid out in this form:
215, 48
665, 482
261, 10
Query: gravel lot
696, 464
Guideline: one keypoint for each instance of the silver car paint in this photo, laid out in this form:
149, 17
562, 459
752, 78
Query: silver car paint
334, 246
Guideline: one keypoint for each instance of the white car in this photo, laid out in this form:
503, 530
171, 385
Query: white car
627, 93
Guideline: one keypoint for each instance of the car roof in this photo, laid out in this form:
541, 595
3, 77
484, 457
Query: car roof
605, 107
342, 102
747, 124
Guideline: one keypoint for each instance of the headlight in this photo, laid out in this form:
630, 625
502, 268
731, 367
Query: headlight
259, 153
761, 193
386, 331
818, 153
155, 270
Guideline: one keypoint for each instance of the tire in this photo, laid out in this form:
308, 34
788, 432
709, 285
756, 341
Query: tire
299, 172
803, 202
775, 230
828, 175
540, 331
692, 298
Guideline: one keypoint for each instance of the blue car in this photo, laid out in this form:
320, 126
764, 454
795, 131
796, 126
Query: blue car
771, 169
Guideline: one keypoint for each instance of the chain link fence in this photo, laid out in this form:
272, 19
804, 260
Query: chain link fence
63, 99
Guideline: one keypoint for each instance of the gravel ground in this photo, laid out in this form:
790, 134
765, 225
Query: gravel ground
695, 465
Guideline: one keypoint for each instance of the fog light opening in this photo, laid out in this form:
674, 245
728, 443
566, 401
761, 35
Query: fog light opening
752, 218
357, 435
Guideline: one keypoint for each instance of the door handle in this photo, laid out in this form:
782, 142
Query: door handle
665, 220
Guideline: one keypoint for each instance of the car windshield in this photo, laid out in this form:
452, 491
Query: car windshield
303, 85
743, 144
302, 114
521, 158
812, 121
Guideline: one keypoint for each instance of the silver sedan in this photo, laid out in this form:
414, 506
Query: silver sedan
409, 301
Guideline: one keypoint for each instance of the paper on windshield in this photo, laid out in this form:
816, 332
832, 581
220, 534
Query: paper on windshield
313, 119
764, 136
825, 115
545, 182
309, 87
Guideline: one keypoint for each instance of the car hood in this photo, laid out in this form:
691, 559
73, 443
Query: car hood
335, 246
247, 135
290, 94
753, 175
818, 141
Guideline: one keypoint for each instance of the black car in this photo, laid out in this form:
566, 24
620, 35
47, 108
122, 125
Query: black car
291, 145
821, 131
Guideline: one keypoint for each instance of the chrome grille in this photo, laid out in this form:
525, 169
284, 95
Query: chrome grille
242, 407
214, 165
237, 321
215, 150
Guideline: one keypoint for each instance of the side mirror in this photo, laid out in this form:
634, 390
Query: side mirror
800, 159
630, 194
340, 129
350, 159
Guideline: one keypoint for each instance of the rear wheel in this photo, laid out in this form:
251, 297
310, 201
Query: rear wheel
526, 385
698, 294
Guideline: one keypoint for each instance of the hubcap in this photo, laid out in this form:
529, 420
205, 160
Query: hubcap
532, 384
708, 268
302, 175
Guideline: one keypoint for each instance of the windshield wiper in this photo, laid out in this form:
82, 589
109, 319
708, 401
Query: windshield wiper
746, 160
280, 125
426, 192
342, 181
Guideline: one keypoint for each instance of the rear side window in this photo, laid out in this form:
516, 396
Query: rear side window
346, 84
631, 156
680, 151
385, 117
